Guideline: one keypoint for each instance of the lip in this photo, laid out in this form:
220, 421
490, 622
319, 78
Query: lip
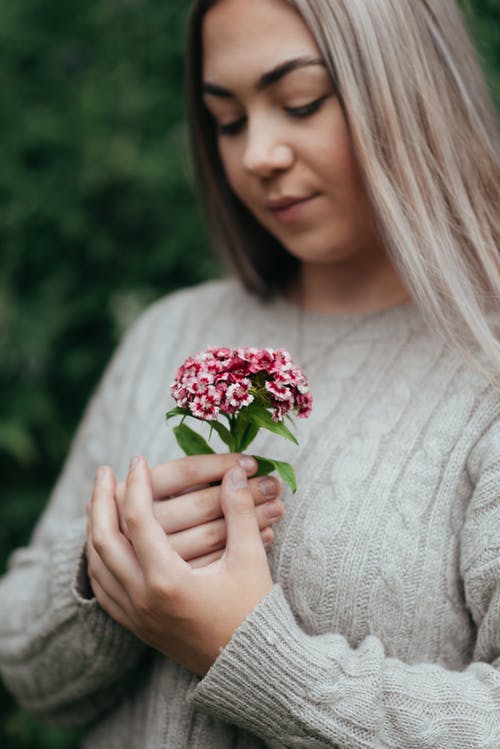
289, 207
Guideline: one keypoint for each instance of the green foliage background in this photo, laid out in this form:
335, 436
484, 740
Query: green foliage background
97, 219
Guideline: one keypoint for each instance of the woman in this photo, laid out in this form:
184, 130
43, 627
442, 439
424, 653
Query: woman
348, 158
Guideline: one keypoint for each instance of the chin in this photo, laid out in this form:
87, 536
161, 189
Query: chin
327, 256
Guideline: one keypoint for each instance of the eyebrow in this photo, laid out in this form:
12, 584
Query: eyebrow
267, 79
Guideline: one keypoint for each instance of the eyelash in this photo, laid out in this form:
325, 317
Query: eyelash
233, 128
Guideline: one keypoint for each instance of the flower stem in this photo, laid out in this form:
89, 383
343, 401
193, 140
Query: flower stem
233, 429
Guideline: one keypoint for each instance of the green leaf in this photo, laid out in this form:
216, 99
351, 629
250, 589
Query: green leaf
191, 442
223, 433
287, 473
285, 470
263, 418
265, 466
249, 431
177, 412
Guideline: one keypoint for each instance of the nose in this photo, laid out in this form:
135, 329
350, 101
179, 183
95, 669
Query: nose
266, 153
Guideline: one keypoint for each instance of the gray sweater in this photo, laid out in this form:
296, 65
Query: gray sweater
383, 626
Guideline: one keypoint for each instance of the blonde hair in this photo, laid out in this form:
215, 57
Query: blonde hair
425, 134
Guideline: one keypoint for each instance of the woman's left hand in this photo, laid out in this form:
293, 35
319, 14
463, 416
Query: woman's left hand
139, 580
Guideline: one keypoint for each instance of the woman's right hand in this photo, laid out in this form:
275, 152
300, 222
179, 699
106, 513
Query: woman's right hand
188, 505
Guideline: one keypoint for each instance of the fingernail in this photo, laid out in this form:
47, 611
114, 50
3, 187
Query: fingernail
238, 478
134, 462
268, 487
273, 509
248, 463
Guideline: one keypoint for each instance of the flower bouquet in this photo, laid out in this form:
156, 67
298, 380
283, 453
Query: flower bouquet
251, 389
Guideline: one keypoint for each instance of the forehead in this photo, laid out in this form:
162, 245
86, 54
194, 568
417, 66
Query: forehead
251, 36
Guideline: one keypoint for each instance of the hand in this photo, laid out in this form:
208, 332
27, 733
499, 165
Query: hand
189, 509
144, 584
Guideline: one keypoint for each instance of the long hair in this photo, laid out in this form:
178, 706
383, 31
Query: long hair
425, 135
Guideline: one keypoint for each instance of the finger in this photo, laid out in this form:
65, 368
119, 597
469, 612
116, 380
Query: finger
121, 486
266, 536
209, 537
158, 561
120, 491
205, 560
176, 516
98, 572
243, 536
200, 507
119, 499
110, 606
105, 537
176, 476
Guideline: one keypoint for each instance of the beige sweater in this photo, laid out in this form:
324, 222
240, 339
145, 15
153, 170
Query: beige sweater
383, 627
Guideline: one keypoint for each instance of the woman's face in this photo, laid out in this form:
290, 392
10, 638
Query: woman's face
282, 136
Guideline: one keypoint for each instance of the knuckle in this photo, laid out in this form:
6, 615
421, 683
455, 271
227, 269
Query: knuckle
143, 607
241, 504
206, 505
156, 586
131, 518
99, 543
214, 534
159, 588
161, 514
190, 468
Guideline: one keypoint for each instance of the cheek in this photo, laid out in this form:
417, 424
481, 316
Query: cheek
335, 160
231, 167
333, 155
237, 177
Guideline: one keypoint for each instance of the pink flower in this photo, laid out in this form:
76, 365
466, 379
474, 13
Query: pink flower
281, 392
247, 381
303, 404
206, 405
223, 380
238, 395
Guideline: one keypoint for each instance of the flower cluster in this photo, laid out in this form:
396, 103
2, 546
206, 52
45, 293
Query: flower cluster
222, 381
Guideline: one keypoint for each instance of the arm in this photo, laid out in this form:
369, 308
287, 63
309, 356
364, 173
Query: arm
60, 653
296, 690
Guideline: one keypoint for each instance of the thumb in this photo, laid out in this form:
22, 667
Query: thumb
242, 528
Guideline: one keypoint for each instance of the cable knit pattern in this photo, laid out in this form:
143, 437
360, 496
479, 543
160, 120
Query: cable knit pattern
382, 630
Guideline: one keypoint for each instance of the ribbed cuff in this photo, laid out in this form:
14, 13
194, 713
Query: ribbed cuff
261, 679
72, 650
71, 585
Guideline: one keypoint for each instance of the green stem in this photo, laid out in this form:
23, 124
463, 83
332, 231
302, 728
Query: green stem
236, 445
232, 429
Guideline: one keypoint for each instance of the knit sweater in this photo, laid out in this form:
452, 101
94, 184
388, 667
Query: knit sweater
382, 629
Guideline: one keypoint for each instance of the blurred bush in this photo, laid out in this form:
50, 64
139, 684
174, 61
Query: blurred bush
97, 216
97, 219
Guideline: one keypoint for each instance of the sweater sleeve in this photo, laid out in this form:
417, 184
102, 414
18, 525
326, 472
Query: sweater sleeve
61, 655
297, 690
